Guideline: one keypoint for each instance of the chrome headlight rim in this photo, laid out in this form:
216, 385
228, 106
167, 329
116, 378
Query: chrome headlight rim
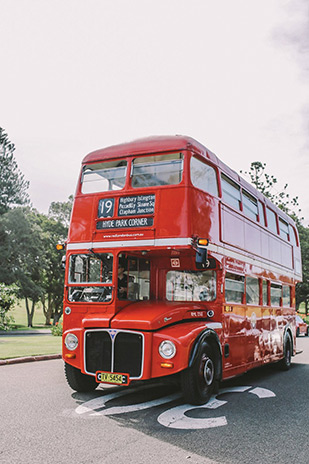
71, 341
167, 349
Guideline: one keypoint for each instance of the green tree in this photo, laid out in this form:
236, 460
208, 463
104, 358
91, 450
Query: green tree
61, 211
13, 186
22, 255
52, 272
266, 183
302, 288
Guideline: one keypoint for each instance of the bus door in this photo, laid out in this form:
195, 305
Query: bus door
234, 320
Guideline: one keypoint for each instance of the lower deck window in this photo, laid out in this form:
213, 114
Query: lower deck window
191, 286
234, 288
275, 294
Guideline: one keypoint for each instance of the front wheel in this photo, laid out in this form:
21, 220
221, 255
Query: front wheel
78, 381
198, 381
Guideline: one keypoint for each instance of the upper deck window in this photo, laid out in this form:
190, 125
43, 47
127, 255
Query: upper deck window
284, 229
148, 171
250, 205
102, 177
203, 176
261, 213
230, 192
271, 220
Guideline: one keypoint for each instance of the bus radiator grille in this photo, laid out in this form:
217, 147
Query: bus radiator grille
123, 353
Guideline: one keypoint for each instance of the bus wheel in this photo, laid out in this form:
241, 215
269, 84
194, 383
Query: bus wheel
198, 381
79, 381
285, 363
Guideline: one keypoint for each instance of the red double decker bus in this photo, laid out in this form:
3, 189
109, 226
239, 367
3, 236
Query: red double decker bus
175, 266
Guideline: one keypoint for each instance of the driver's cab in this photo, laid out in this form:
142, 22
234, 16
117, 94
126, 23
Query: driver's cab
133, 278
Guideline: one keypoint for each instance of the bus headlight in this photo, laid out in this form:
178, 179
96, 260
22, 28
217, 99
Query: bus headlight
71, 342
167, 349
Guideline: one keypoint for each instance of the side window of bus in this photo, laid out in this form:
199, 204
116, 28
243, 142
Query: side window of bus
234, 288
148, 171
203, 176
292, 234
250, 206
271, 220
252, 291
286, 296
261, 214
265, 292
284, 229
275, 294
230, 192
191, 285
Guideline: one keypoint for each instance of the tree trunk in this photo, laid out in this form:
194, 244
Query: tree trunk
48, 311
30, 313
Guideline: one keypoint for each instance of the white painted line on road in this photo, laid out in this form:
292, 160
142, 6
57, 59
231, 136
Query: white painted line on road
262, 392
137, 407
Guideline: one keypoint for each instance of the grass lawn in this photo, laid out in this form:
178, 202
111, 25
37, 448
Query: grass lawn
15, 346
19, 314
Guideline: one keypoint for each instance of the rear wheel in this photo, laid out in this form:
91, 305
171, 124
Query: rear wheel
307, 332
297, 332
285, 363
198, 381
78, 381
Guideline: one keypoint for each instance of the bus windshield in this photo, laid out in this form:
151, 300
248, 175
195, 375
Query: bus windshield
89, 270
102, 177
148, 171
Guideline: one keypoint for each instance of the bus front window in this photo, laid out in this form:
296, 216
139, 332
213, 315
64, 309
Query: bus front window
148, 171
102, 177
93, 273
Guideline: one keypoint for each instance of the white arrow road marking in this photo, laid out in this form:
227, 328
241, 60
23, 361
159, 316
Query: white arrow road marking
137, 407
100, 402
262, 392
175, 418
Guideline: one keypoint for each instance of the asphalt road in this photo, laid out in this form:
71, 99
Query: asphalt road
260, 417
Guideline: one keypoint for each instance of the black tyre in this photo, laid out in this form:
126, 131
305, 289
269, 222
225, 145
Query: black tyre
198, 381
78, 381
285, 363
307, 332
297, 332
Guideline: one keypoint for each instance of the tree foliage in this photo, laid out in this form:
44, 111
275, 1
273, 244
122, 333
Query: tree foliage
13, 186
29, 258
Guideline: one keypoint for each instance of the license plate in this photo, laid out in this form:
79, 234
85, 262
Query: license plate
109, 377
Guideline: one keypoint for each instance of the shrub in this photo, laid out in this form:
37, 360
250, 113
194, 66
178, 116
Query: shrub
57, 329
7, 300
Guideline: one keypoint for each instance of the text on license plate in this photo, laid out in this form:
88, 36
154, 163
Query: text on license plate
109, 377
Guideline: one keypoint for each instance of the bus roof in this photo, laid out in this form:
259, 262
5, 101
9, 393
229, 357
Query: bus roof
149, 145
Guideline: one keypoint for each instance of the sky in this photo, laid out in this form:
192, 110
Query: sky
78, 75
